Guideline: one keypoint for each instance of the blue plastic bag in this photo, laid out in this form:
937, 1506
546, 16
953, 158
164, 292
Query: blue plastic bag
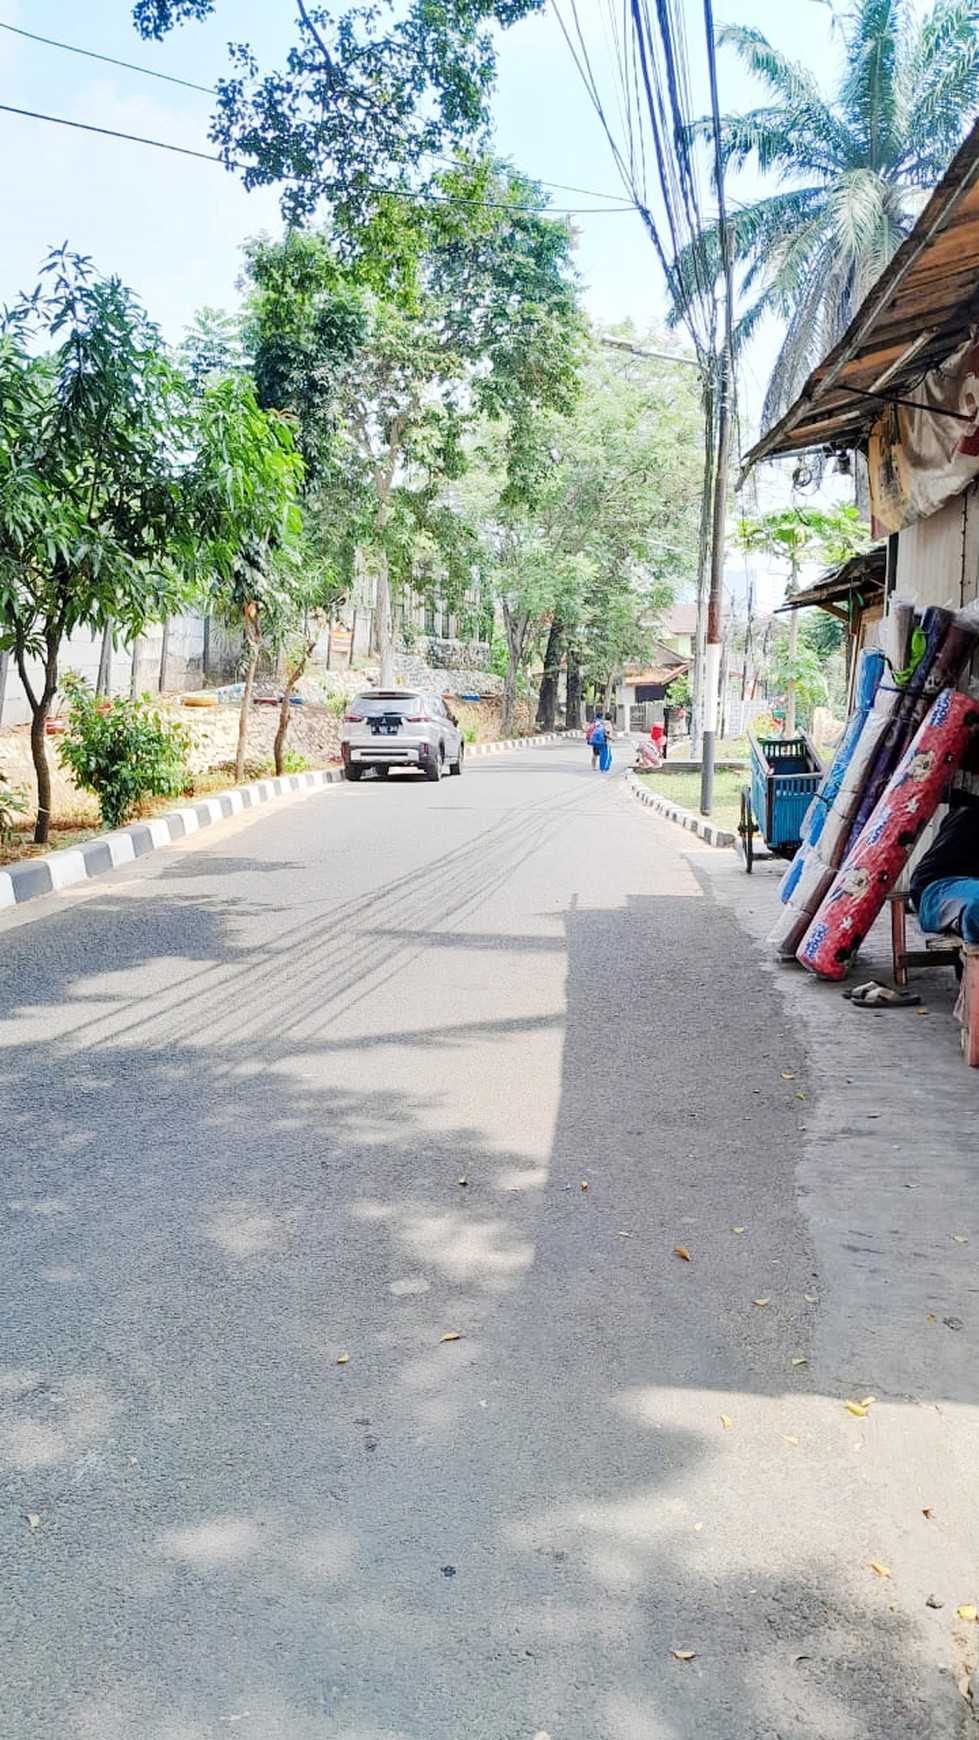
605, 759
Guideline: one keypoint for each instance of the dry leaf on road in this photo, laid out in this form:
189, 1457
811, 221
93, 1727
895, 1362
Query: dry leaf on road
584, 1184
856, 1408
761, 1301
968, 1611
788, 1075
738, 1229
811, 1298
789, 1439
882, 1570
32, 1520
684, 1654
726, 1420
800, 1359
681, 1251
450, 1335
343, 1359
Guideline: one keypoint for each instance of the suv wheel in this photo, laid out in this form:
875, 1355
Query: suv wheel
434, 768
456, 766
351, 772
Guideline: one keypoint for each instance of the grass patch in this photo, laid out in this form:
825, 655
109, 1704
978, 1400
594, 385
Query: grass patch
684, 789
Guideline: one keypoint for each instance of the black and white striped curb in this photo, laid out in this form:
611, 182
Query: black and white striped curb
518, 743
708, 831
36, 876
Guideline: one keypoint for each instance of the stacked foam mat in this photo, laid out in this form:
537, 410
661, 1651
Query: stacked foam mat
908, 721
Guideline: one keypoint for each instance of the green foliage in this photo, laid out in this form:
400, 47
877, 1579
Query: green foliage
13, 803
797, 535
122, 751
678, 693
293, 762
853, 166
365, 98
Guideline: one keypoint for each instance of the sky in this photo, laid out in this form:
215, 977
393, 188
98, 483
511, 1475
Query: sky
172, 227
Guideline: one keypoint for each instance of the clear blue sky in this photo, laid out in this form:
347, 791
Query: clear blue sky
173, 228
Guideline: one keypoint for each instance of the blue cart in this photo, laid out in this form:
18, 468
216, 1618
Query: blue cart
785, 775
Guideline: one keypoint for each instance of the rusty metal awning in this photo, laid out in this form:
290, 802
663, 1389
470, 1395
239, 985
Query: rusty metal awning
921, 309
855, 586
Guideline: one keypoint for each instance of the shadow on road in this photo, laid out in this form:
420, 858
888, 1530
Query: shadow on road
267, 1491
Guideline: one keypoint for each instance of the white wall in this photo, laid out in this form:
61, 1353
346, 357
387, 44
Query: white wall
938, 558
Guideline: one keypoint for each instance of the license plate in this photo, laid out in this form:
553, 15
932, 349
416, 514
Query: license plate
384, 727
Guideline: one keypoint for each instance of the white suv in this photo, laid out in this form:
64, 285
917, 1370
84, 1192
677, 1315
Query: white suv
385, 728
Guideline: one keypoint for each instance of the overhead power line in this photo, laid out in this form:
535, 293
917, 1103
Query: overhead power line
211, 91
397, 192
109, 60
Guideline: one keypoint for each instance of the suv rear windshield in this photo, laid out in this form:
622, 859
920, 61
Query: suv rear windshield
374, 706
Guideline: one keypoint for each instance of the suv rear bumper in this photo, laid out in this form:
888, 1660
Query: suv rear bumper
390, 753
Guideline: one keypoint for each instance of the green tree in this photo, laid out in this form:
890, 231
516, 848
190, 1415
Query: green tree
389, 342
95, 526
799, 535
365, 98
854, 166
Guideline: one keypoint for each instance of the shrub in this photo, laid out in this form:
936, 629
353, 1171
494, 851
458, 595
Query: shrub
293, 762
13, 803
122, 753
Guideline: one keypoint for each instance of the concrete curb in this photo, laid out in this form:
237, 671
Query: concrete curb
684, 818
34, 877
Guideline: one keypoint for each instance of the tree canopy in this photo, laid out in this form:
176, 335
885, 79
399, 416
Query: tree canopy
366, 97
851, 168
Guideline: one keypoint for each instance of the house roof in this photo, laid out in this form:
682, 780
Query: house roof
921, 309
680, 619
858, 583
652, 675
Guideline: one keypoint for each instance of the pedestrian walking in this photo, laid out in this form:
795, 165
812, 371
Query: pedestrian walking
599, 738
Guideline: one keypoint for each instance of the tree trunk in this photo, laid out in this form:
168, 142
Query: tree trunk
103, 682
515, 623
790, 689
383, 624
285, 711
607, 693
547, 700
246, 701
572, 710
40, 706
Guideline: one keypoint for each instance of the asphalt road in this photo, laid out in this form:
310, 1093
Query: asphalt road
289, 1105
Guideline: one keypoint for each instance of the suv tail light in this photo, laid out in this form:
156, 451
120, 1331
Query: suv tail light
416, 718
351, 718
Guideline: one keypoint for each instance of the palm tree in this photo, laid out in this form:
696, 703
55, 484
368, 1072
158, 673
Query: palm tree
854, 167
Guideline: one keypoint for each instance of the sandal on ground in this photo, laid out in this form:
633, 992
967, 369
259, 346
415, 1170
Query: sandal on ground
874, 996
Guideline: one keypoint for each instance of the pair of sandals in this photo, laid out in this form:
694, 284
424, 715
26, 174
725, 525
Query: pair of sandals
875, 996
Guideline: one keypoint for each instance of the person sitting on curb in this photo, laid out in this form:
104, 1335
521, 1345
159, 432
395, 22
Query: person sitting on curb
945, 885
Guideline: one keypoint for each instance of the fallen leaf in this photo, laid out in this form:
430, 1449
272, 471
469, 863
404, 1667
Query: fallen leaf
788, 1075
697, 1528
32, 1520
738, 1229
875, 1114
931, 1318
927, 1513
789, 1439
882, 1570
584, 1184
450, 1335
623, 1235
933, 1601
761, 1301
968, 1611
799, 1096
463, 1182
965, 1687
726, 1420
856, 1408
800, 1359
684, 1654
867, 1401
811, 1298
959, 1240
681, 1251
343, 1359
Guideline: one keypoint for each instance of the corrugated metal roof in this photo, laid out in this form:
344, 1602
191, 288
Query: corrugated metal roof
920, 310
858, 581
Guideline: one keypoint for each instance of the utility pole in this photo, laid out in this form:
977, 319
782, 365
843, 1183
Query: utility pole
712, 656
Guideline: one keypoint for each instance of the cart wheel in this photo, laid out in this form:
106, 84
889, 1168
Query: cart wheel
746, 829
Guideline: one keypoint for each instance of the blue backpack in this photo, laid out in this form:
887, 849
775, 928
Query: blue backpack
598, 734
